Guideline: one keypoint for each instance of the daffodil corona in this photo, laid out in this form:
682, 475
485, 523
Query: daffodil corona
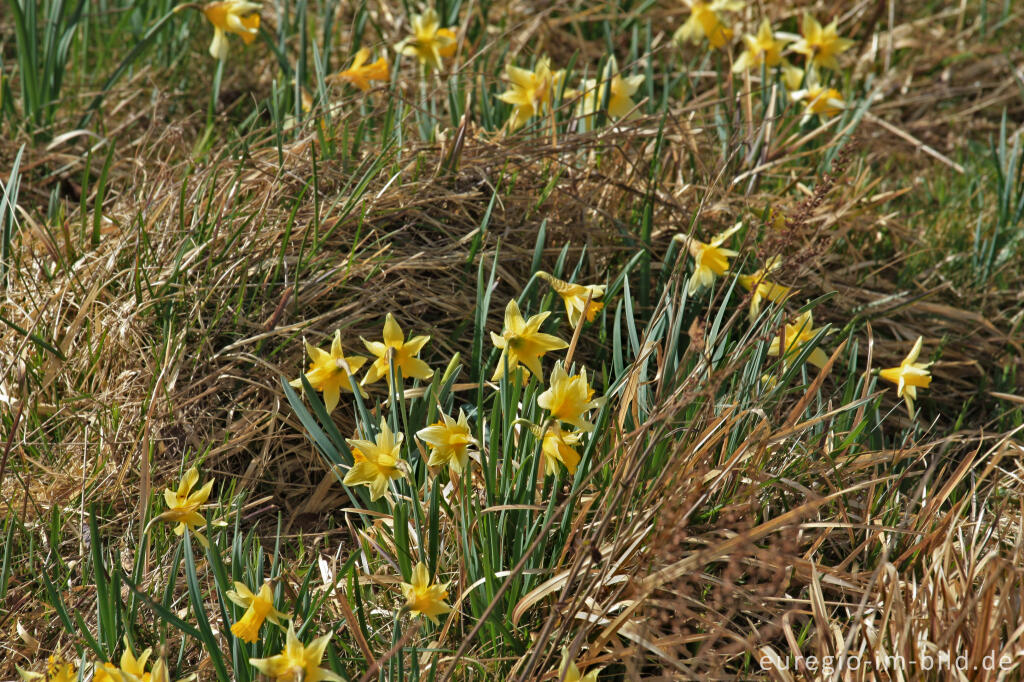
183, 505
331, 372
429, 43
569, 398
576, 297
360, 74
258, 607
297, 661
402, 352
424, 597
521, 341
231, 16
378, 462
820, 45
909, 376
449, 442
706, 22
710, 260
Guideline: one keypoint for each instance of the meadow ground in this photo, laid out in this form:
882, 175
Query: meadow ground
724, 377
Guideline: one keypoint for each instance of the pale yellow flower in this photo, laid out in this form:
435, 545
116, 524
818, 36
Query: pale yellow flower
231, 16
558, 446
820, 45
380, 461
403, 352
762, 48
522, 342
575, 296
429, 42
792, 76
183, 507
568, 672
710, 259
819, 100
706, 22
297, 661
909, 376
797, 334
449, 442
569, 398
763, 289
530, 92
423, 597
330, 372
618, 90
57, 670
258, 607
360, 74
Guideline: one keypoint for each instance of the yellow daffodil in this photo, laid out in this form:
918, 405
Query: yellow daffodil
258, 607
558, 446
522, 342
710, 260
575, 296
429, 42
449, 442
360, 74
792, 76
763, 289
423, 597
231, 16
296, 661
530, 92
706, 22
820, 45
379, 461
797, 334
57, 670
330, 372
819, 101
183, 506
568, 672
762, 48
909, 376
131, 669
569, 398
404, 354
618, 90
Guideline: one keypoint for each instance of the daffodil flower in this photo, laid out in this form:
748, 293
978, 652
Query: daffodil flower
183, 506
404, 354
710, 260
618, 90
360, 74
569, 398
231, 16
429, 42
521, 341
379, 461
131, 669
575, 297
424, 597
57, 670
820, 45
530, 92
706, 22
258, 607
330, 372
449, 442
762, 48
797, 334
558, 447
297, 661
819, 100
909, 376
763, 289
568, 672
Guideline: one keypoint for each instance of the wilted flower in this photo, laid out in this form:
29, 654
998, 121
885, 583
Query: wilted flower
575, 297
183, 507
762, 288
568, 672
762, 48
296, 661
909, 376
231, 16
820, 45
530, 92
379, 462
569, 398
428, 42
403, 352
800, 332
330, 372
618, 90
522, 342
424, 598
449, 442
258, 607
710, 259
705, 22
360, 73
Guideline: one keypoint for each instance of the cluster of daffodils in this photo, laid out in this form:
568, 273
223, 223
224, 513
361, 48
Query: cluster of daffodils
818, 46
130, 668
